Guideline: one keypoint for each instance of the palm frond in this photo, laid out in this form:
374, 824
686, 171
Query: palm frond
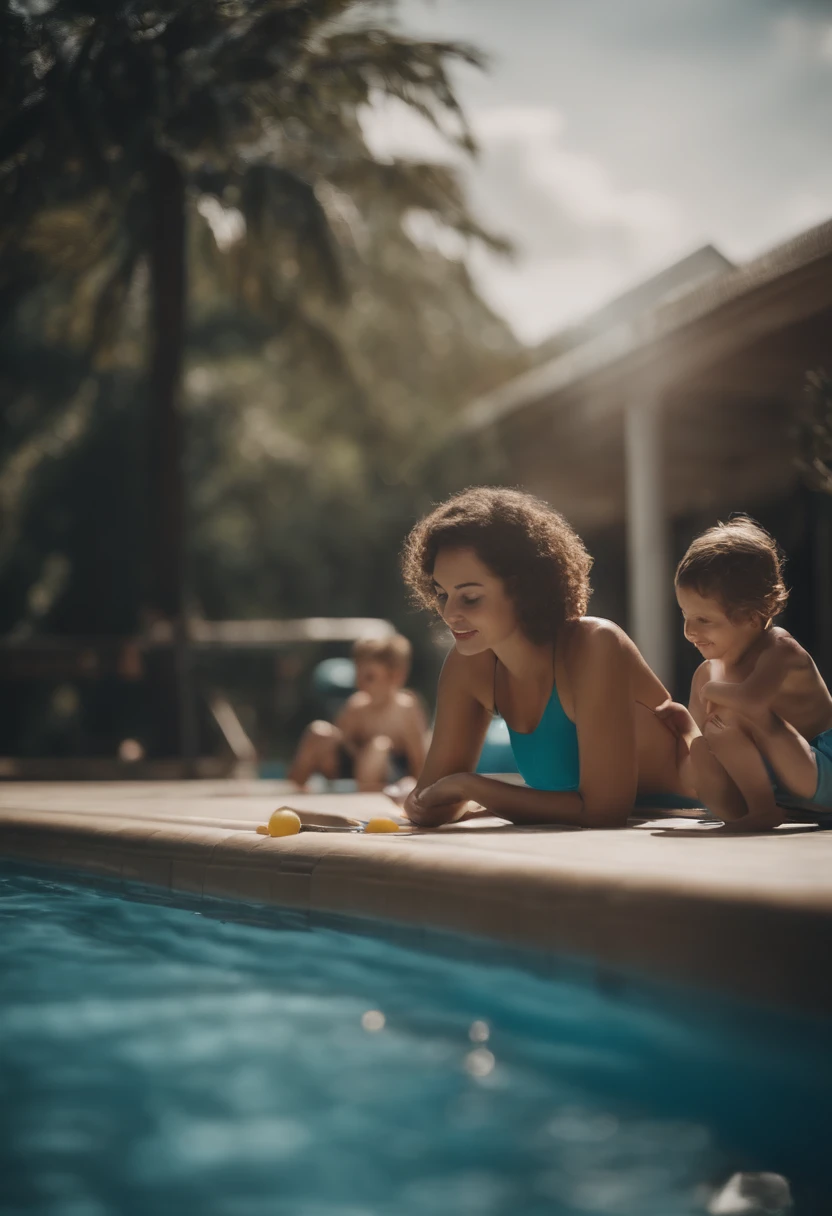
277, 199
417, 186
358, 63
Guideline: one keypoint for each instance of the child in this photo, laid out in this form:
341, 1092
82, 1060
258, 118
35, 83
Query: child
380, 734
758, 738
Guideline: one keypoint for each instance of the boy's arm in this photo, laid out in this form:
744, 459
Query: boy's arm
765, 681
696, 705
686, 724
679, 720
345, 720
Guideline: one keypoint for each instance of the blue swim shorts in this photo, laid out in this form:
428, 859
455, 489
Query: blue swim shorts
818, 808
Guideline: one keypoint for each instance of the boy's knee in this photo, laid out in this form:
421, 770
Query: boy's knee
721, 736
704, 758
380, 744
725, 723
760, 720
322, 730
699, 749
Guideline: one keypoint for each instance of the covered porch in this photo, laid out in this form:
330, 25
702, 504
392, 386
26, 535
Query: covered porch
684, 409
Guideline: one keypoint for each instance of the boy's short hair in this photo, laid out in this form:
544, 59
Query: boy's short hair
739, 564
393, 652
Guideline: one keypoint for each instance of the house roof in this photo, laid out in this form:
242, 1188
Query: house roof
698, 266
728, 306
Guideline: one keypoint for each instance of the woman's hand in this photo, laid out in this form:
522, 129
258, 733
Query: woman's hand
400, 791
440, 802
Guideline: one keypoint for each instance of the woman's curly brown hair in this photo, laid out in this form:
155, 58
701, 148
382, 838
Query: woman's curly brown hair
740, 565
523, 540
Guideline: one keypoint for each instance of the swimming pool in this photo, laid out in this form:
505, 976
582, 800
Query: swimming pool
158, 1059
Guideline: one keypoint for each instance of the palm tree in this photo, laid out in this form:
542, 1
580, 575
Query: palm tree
250, 108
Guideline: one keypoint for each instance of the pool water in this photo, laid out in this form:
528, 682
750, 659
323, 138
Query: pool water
155, 1059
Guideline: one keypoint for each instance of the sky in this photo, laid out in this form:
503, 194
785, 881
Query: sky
620, 135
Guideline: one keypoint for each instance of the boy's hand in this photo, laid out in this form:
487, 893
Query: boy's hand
677, 718
718, 692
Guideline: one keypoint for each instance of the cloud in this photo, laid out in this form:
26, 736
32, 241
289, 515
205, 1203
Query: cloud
620, 135
804, 209
570, 194
580, 236
805, 37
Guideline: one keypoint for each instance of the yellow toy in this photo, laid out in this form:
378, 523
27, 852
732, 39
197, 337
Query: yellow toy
286, 822
283, 822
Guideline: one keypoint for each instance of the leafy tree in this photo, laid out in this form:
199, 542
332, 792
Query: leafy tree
123, 128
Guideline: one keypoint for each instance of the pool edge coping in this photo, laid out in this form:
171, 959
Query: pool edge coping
773, 952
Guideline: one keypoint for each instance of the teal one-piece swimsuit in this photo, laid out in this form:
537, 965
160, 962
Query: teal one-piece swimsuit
548, 757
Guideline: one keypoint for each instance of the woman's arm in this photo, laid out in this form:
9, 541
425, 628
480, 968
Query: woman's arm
686, 724
605, 720
696, 705
416, 737
517, 803
458, 734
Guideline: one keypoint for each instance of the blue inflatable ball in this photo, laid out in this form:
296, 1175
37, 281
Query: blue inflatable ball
334, 678
496, 755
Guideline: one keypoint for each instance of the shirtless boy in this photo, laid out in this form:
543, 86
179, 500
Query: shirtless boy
758, 735
380, 734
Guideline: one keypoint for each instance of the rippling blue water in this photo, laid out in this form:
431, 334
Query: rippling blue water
157, 1060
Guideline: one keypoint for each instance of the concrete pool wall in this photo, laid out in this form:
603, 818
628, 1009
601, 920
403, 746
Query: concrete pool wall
750, 917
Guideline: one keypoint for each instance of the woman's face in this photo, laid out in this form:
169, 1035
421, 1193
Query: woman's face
472, 601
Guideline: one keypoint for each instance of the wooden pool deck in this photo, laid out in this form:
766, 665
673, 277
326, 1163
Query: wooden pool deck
665, 898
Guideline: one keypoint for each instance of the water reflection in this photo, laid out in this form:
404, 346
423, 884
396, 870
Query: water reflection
153, 1059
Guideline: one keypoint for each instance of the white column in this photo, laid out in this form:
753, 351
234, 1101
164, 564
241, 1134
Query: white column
648, 541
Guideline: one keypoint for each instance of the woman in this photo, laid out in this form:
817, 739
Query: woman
510, 578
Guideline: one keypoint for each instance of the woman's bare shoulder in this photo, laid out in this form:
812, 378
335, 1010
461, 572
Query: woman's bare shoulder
601, 645
595, 633
591, 645
472, 674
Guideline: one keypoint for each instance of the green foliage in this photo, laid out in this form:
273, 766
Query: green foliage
331, 334
256, 101
304, 483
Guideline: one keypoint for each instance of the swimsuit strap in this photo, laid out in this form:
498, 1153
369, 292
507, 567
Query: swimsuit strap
554, 685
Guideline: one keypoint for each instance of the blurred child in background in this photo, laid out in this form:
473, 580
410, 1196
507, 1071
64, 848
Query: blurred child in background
380, 734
